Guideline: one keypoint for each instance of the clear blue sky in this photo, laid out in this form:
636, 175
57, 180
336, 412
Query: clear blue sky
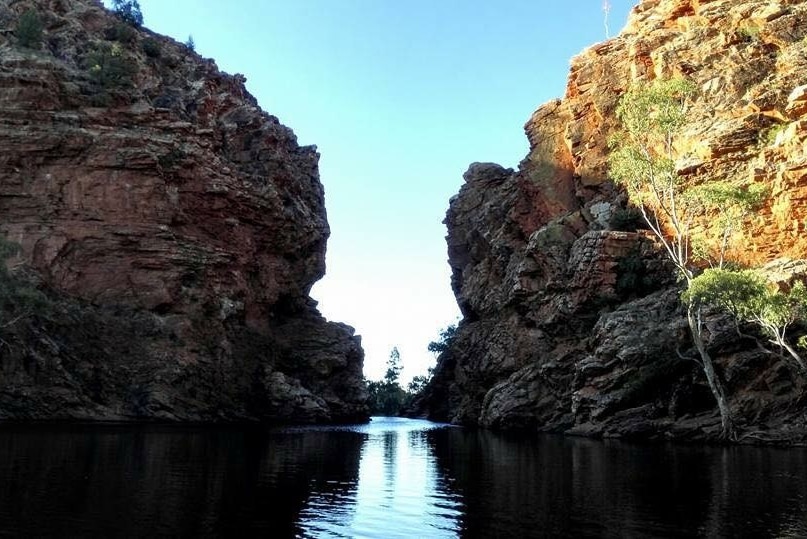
400, 96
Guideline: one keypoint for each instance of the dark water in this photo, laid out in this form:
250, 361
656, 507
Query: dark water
391, 478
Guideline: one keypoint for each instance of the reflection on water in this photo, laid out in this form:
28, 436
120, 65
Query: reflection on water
389, 478
398, 492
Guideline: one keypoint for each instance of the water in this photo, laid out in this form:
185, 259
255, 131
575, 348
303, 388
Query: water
390, 478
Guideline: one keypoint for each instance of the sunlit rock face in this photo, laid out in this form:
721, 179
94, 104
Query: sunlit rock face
180, 226
573, 324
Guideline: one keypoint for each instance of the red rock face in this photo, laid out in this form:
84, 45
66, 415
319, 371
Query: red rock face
173, 193
570, 322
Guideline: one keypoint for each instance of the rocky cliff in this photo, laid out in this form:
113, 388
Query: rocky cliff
572, 321
174, 227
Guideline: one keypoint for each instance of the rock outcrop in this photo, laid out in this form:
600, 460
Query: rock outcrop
176, 227
572, 323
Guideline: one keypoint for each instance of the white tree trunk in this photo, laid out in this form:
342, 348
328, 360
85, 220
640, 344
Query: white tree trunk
727, 421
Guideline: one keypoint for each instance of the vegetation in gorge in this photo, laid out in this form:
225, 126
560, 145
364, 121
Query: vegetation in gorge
643, 161
109, 67
29, 30
387, 397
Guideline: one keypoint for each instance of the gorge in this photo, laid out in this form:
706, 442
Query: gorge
162, 234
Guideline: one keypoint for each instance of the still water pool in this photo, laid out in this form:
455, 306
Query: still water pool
389, 478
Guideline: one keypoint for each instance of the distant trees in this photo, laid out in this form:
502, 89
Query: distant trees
387, 396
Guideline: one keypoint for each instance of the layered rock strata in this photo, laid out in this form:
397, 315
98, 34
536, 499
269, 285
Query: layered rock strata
176, 226
573, 325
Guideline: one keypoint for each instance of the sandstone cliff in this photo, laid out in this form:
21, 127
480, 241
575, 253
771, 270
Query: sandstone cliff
572, 325
176, 227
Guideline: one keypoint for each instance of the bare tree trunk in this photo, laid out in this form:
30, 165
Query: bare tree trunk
781, 342
726, 420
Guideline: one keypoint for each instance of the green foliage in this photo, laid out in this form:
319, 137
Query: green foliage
749, 297
110, 68
737, 292
29, 30
631, 166
151, 47
128, 11
657, 109
387, 397
641, 158
767, 136
443, 343
784, 308
190, 43
717, 195
419, 383
393, 367
750, 32
731, 202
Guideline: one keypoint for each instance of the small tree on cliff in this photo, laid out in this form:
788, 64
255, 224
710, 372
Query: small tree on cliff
643, 161
128, 11
749, 297
29, 30
444, 341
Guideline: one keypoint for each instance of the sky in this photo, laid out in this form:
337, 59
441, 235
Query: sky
399, 96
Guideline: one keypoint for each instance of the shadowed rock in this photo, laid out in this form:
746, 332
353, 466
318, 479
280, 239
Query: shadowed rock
179, 227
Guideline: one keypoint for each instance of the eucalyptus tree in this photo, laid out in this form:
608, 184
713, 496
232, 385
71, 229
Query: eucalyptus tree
749, 297
643, 160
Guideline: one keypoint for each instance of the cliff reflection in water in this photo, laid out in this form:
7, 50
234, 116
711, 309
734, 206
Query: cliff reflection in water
390, 478
169, 481
556, 486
